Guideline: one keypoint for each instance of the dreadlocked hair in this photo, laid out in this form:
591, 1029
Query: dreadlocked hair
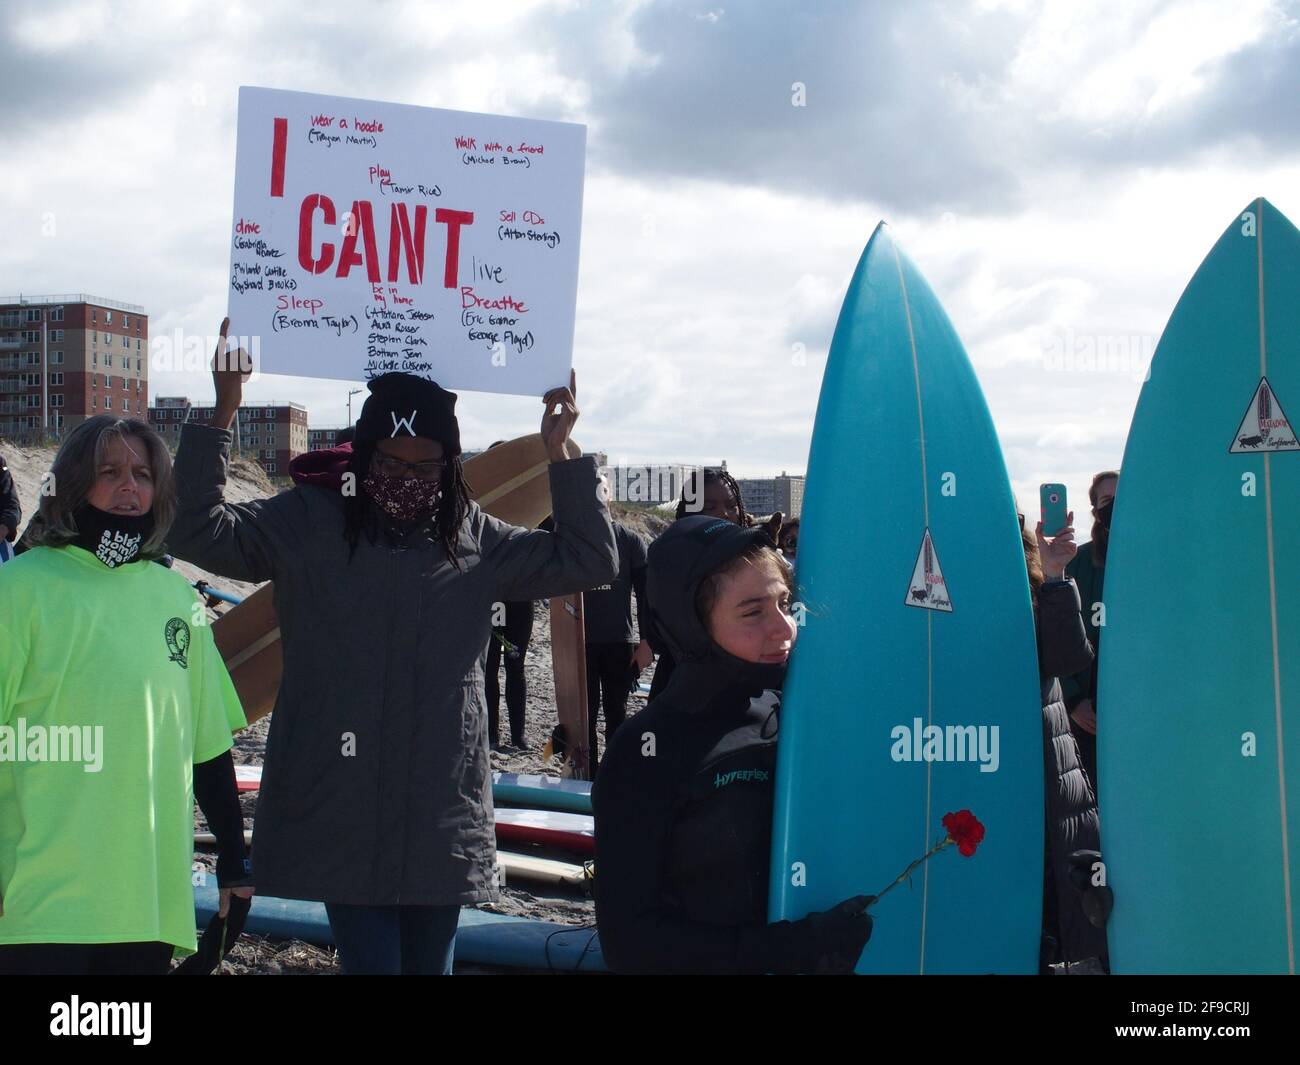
361, 516
721, 477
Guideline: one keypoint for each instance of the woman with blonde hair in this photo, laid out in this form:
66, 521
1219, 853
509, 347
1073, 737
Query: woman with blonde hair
115, 712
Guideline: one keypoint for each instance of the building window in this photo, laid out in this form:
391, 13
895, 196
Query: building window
56, 378
31, 314
125, 342
137, 348
94, 315
33, 401
137, 406
270, 467
137, 362
108, 402
108, 317
94, 358
56, 315
56, 335
56, 401
126, 321
94, 338
33, 358
56, 358
31, 336
270, 413
31, 380
108, 359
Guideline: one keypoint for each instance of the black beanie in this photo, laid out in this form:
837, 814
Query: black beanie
401, 404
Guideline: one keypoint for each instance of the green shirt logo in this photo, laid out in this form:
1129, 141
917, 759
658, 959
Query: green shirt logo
178, 641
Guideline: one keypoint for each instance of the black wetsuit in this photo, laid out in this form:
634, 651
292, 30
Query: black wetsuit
611, 639
683, 801
516, 632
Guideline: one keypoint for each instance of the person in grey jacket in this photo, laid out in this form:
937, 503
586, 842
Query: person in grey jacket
376, 797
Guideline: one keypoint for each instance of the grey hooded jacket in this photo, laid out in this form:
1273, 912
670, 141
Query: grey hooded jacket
376, 787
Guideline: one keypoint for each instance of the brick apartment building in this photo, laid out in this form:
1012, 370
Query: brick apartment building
273, 432
66, 358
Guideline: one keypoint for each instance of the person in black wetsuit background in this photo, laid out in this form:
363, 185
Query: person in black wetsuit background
683, 800
614, 656
713, 493
509, 643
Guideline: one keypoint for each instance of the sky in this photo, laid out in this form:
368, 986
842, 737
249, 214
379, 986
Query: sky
1056, 170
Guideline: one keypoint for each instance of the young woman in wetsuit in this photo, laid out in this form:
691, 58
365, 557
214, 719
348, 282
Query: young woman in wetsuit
683, 799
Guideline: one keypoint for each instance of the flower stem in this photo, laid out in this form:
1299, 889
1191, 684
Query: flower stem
906, 873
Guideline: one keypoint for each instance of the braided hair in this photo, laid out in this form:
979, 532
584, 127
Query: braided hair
361, 515
719, 476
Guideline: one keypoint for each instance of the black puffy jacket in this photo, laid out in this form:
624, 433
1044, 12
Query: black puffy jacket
1072, 821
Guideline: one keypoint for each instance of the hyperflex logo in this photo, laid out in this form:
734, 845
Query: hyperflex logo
946, 743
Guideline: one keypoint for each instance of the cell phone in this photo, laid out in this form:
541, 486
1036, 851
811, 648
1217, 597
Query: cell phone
1052, 502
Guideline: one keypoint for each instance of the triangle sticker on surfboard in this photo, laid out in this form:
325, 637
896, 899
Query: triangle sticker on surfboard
928, 589
1265, 426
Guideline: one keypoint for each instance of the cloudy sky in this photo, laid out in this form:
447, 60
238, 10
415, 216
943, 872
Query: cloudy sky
1057, 170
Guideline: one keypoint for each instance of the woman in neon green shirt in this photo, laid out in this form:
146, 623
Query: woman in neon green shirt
115, 710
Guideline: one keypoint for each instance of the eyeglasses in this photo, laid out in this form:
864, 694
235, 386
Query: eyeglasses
387, 466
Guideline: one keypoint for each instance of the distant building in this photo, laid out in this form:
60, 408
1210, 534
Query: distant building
764, 495
320, 439
273, 432
66, 358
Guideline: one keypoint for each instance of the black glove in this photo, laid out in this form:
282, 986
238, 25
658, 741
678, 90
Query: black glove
217, 939
827, 942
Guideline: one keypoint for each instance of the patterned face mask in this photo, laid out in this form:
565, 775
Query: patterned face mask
403, 499
114, 539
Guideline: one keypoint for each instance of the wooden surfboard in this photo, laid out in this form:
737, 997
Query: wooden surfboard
569, 667
510, 481
248, 638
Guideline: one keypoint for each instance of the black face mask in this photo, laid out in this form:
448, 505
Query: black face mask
114, 539
1104, 512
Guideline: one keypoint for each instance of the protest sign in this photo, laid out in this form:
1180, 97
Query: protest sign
371, 237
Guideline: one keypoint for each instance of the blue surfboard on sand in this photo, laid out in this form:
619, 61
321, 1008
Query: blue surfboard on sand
482, 937
1198, 702
918, 615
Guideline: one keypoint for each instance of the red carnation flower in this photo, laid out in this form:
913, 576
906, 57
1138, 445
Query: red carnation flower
964, 830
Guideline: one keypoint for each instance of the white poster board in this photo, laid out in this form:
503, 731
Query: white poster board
371, 237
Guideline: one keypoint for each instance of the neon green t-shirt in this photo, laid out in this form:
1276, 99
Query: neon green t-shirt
111, 688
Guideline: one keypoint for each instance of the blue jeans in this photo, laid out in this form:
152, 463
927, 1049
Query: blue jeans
394, 940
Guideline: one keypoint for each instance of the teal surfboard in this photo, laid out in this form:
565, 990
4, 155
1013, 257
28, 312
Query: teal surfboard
917, 618
1199, 680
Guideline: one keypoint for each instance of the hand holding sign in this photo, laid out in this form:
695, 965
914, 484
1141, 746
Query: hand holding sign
558, 424
230, 369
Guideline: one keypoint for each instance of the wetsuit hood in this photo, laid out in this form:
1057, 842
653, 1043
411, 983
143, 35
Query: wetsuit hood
691, 549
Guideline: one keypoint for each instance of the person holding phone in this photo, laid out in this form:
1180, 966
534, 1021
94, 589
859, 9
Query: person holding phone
1088, 570
1072, 822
